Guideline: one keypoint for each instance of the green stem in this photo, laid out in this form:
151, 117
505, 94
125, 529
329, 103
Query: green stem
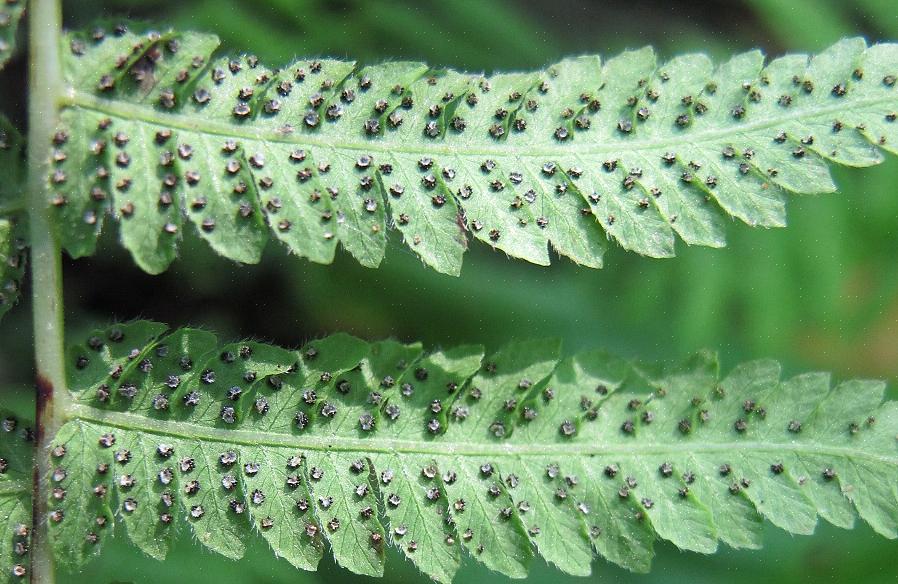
44, 91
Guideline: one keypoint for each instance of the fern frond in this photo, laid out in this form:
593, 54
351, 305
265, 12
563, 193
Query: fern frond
12, 264
10, 13
363, 445
11, 162
12, 233
159, 131
15, 496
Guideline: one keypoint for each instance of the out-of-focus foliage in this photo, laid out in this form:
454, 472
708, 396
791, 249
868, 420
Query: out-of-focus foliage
822, 294
10, 13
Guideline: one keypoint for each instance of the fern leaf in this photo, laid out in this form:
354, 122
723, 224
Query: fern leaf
358, 446
12, 264
15, 497
10, 14
12, 233
11, 162
160, 132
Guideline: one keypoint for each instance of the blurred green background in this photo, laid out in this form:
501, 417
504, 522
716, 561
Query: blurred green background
821, 294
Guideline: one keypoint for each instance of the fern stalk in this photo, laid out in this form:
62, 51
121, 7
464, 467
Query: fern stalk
45, 83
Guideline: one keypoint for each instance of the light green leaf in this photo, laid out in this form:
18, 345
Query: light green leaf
321, 152
15, 496
361, 445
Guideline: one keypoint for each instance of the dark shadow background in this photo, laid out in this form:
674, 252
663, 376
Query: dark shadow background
821, 294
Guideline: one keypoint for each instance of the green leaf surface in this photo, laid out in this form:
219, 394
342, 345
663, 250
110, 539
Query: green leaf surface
12, 218
12, 263
156, 128
357, 446
11, 164
16, 443
10, 13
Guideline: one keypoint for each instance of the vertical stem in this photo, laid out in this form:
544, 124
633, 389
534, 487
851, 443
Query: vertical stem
44, 89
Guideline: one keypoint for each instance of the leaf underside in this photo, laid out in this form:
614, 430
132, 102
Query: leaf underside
159, 132
12, 232
12, 264
16, 443
357, 446
10, 13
